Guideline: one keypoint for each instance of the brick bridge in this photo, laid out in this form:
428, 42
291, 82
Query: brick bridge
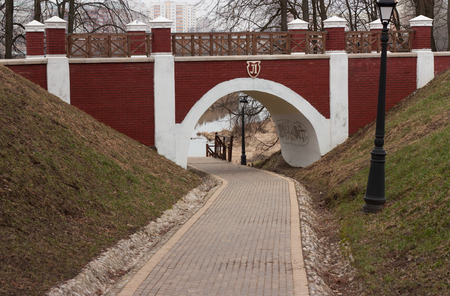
320, 87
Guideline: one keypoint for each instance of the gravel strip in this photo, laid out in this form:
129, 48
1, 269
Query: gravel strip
327, 263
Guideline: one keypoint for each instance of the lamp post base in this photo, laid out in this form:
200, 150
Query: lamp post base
243, 160
373, 204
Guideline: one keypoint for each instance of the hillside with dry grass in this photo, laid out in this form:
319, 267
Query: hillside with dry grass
403, 250
69, 187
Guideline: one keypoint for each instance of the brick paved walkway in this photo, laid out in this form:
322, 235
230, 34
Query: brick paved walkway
238, 244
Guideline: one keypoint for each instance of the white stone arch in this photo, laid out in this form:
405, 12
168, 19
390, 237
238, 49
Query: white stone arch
286, 105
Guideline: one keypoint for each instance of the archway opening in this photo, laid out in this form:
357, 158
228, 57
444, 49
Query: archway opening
305, 133
224, 120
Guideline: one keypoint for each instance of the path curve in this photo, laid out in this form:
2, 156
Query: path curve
244, 241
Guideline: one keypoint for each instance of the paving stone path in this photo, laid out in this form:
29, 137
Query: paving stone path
245, 241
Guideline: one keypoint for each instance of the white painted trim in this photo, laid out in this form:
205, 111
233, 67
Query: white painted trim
298, 24
161, 53
378, 55
425, 67
56, 55
143, 59
161, 23
136, 26
184, 130
421, 49
335, 22
421, 21
335, 51
253, 57
164, 90
441, 53
35, 26
55, 23
34, 57
58, 77
339, 115
37, 61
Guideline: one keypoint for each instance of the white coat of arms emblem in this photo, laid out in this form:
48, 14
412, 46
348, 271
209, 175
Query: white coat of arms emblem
253, 68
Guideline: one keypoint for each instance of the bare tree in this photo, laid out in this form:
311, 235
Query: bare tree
37, 11
255, 15
9, 13
82, 16
448, 26
305, 10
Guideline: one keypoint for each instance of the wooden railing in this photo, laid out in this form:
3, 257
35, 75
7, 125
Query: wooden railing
223, 148
219, 44
366, 42
261, 43
108, 45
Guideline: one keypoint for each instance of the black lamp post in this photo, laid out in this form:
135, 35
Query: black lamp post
375, 193
243, 101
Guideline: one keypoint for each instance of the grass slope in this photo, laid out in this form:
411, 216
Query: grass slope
69, 187
405, 249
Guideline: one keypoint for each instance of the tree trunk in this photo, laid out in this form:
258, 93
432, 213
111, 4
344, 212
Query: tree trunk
9, 13
305, 10
314, 5
426, 8
322, 11
350, 16
37, 11
62, 9
448, 26
71, 23
283, 7
284, 26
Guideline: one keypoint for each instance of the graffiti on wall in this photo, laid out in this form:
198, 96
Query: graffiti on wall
293, 132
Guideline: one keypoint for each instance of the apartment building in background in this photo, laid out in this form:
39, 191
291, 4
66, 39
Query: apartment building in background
183, 15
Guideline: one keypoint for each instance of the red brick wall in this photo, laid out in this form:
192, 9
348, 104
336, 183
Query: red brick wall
161, 40
335, 39
35, 43
309, 78
34, 73
441, 64
422, 37
117, 94
363, 87
56, 41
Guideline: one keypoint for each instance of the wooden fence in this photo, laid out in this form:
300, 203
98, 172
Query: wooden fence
222, 148
105, 45
366, 42
261, 43
219, 44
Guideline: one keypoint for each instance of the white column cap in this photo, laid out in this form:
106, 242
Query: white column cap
335, 22
161, 23
55, 23
35, 26
137, 26
421, 21
376, 25
298, 24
